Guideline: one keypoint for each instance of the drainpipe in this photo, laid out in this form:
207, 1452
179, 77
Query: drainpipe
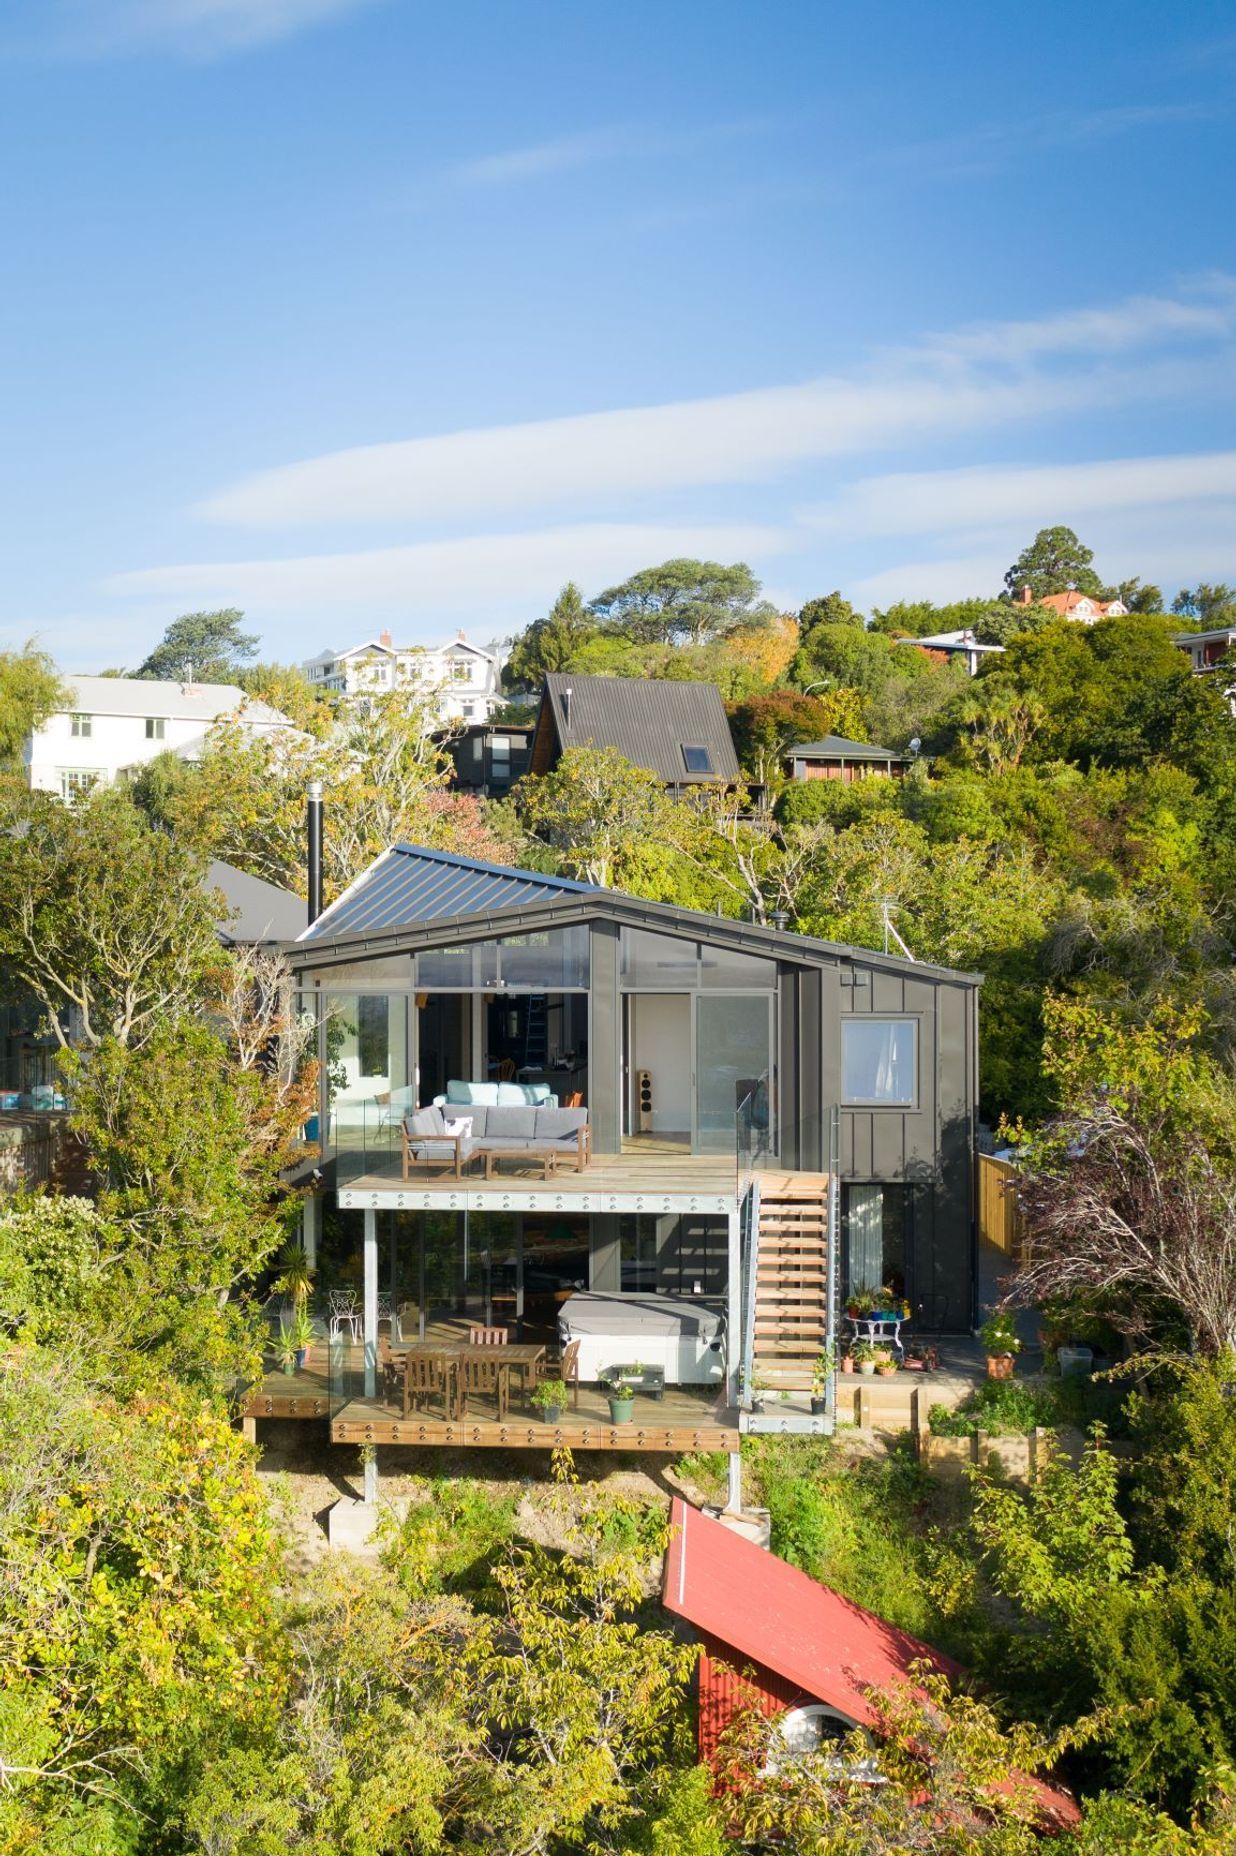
313, 832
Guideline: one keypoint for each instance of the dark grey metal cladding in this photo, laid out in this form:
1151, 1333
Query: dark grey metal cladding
649, 722
929, 1146
411, 884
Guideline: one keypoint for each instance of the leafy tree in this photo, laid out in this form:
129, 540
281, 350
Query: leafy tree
919, 618
207, 647
286, 688
138, 1605
683, 602
1211, 606
385, 775
30, 689
1138, 598
1002, 622
831, 609
551, 643
609, 822
107, 922
1055, 562
763, 727
1131, 1193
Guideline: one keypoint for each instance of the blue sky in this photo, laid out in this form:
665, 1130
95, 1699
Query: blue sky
366, 312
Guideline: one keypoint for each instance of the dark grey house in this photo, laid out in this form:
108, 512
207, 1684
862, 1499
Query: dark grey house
772, 1120
679, 731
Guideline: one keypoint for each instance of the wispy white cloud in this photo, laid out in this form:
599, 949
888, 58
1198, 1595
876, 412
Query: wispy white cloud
513, 165
186, 28
492, 578
984, 148
561, 154
982, 496
988, 376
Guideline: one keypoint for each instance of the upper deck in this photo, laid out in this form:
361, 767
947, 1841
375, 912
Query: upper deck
646, 1177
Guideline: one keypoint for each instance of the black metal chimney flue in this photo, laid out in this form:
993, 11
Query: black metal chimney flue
313, 832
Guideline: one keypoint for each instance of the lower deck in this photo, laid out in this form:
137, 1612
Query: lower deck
681, 1420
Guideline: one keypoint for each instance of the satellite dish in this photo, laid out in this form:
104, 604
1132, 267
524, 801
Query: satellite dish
915, 745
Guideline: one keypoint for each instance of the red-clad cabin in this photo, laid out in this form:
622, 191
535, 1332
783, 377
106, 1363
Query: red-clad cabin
771, 1635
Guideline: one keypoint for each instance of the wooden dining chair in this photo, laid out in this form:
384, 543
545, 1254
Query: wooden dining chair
485, 1378
565, 1370
428, 1376
488, 1337
390, 1373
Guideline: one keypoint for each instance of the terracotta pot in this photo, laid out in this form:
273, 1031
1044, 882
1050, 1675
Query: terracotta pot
847, 1364
886, 1372
1000, 1366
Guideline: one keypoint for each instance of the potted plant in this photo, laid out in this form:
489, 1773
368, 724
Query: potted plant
884, 1362
295, 1340
862, 1301
847, 1361
999, 1336
821, 1372
621, 1401
865, 1358
550, 1399
296, 1282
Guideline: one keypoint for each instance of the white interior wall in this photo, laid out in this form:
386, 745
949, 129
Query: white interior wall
661, 1040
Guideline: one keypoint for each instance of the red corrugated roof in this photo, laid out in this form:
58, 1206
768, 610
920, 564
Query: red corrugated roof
769, 1612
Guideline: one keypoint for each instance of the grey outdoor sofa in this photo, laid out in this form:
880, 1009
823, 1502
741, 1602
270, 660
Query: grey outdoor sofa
548, 1134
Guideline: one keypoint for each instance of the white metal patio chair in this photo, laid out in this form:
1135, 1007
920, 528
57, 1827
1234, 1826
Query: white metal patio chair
344, 1313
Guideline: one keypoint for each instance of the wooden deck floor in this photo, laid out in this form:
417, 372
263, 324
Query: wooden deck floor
681, 1420
646, 1176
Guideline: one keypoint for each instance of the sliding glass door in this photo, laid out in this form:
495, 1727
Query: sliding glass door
733, 1064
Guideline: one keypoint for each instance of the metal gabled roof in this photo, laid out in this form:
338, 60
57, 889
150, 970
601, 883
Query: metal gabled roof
530, 903
648, 720
410, 884
836, 747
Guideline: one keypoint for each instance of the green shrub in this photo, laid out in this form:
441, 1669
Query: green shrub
1001, 1408
448, 1542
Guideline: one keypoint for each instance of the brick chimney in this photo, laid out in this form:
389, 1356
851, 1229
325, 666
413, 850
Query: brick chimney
385, 638
1026, 596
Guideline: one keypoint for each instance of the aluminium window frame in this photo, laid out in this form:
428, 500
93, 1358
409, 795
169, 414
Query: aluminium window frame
875, 1103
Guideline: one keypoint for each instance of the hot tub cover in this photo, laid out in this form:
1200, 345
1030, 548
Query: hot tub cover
589, 1312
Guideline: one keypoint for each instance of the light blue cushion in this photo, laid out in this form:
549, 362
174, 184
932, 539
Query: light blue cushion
538, 1092
461, 1093
511, 1095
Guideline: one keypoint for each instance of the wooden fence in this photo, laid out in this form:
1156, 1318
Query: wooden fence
999, 1216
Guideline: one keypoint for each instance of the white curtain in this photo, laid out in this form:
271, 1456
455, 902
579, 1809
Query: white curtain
865, 1232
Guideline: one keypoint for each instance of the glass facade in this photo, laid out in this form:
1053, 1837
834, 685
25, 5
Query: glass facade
666, 963
555, 961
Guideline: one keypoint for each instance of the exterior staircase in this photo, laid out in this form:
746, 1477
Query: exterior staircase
791, 1280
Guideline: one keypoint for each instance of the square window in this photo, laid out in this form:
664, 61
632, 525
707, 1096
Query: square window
879, 1062
155, 726
461, 670
74, 781
697, 760
82, 726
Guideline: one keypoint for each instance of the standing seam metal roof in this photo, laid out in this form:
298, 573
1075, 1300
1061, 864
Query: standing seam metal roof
411, 884
649, 721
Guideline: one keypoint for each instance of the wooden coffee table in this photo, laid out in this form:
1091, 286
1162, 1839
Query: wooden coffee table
548, 1157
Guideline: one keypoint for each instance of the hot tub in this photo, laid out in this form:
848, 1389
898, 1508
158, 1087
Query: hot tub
681, 1336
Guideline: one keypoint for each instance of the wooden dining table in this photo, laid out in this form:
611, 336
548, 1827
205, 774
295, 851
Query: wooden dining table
521, 1357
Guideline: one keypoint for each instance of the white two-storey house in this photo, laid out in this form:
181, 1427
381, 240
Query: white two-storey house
111, 726
462, 679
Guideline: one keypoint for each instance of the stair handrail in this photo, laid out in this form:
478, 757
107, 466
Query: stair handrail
750, 1253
